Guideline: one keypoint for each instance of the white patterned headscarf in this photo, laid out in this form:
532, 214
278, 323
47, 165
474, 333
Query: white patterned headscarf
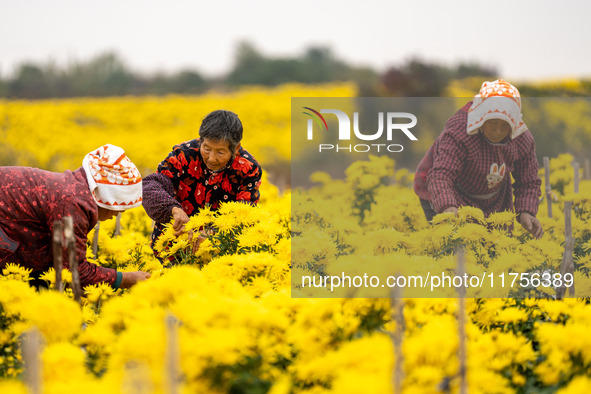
497, 100
114, 181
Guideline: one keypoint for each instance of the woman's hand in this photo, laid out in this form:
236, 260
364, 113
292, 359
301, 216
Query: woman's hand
531, 224
131, 278
196, 241
451, 209
180, 219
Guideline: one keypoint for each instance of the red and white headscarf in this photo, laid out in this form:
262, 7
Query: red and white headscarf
497, 100
114, 181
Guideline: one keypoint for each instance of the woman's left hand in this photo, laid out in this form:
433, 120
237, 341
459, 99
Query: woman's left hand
196, 239
531, 224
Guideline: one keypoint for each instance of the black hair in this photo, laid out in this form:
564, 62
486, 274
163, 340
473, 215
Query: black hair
222, 125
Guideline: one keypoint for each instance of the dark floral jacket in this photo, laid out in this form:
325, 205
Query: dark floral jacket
183, 180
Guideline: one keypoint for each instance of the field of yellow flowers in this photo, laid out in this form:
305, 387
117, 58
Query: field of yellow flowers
59, 132
229, 318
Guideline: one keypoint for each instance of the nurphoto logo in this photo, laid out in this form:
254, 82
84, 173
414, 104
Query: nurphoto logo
395, 122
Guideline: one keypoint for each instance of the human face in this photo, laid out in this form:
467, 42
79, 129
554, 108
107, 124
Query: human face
216, 153
496, 130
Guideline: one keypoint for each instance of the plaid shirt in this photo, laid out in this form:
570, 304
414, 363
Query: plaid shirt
30, 201
183, 180
461, 169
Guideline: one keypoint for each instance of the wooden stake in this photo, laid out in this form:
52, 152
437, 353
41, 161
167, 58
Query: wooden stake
117, 226
136, 378
172, 362
95, 240
576, 168
567, 266
58, 256
548, 187
31, 345
72, 259
587, 169
462, 322
397, 317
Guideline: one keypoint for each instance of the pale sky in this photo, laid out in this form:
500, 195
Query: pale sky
524, 40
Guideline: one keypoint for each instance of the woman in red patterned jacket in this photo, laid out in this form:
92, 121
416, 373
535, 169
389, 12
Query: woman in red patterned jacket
471, 161
206, 171
31, 200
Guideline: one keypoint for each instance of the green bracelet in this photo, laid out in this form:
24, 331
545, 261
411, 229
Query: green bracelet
118, 281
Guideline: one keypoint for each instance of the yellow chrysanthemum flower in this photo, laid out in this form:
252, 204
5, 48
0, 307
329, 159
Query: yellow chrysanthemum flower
16, 272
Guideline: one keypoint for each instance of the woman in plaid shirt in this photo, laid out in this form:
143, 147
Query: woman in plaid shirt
470, 162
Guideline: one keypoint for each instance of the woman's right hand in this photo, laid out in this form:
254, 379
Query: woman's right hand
131, 278
531, 224
180, 219
451, 209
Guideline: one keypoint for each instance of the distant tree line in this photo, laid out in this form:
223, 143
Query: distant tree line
417, 78
104, 75
108, 75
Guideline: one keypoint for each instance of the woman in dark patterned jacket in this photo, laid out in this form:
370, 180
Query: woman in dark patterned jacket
470, 162
202, 172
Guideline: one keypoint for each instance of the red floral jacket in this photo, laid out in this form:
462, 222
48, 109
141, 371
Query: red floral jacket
183, 180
